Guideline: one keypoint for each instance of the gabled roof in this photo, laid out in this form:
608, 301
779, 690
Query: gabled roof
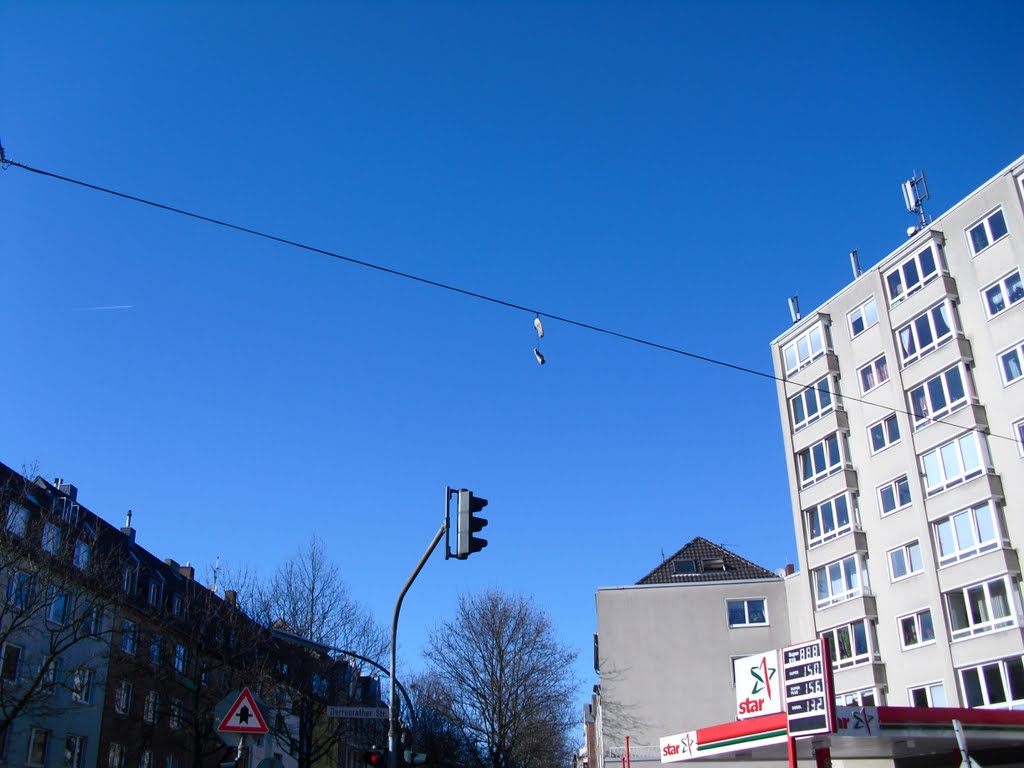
702, 561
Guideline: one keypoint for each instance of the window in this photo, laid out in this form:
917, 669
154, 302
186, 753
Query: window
19, 588
11, 664
987, 231
177, 713
967, 533
894, 495
820, 460
156, 591
17, 519
683, 567
863, 317
916, 629
831, 519
50, 673
74, 751
180, 658
709, 564
91, 621
747, 613
911, 276
925, 333
38, 742
848, 644
873, 374
1018, 432
130, 578
813, 403
954, 462
939, 396
905, 561
115, 757
151, 707
172, 762
997, 684
807, 347
176, 605
81, 556
146, 759
930, 695
838, 581
56, 606
981, 608
1003, 294
123, 699
81, 686
1010, 363
129, 636
156, 649
884, 433
51, 538
869, 697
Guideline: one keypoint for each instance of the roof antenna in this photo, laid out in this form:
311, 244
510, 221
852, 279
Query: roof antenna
855, 263
794, 307
128, 520
216, 573
915, 192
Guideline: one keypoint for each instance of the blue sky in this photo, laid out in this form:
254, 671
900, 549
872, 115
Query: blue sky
671, 171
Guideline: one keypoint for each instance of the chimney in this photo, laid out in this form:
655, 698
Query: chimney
187, 571
231, 597
790, 569
66, 488
128, 530
172, 563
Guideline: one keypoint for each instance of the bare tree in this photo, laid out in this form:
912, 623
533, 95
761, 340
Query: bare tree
53, 628
437, 735
507, 682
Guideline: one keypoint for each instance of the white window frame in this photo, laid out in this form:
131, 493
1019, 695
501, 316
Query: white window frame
923, 274
909, 337
953, 475
1017, 353
123, 697
805, 348
854, 659
859, 698
917, 622
984, 678
80, 558
50, 540
929, 690
177, 714
74, 750
1009, 296
1018, 431
34, 734
156, 650
876, 369
81, 686
151, 707
828, 511
887, 430
746, 601
812, 396
17, 519
982, 625
17, 663
852, 570
894, 486
833, 453
115, 756
129, 636
56, 606
180, 659
966, 520
922, 406
146, 759
866, 314
906, 552
19, 589
985, 225
156, 592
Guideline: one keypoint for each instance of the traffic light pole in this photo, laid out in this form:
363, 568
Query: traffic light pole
393, 696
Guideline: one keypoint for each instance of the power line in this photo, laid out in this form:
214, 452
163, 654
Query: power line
6, 162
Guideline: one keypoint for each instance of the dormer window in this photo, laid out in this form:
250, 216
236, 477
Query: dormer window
17, 519
713, 564
130, 578
156, 591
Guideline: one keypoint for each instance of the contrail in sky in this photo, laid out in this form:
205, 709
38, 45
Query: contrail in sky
93, 309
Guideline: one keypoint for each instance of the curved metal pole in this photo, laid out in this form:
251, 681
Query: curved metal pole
401, 688
392, 698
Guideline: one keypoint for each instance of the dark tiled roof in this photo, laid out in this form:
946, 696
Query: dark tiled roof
710, 562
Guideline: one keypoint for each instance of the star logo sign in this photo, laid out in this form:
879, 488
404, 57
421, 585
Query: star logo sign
763, 675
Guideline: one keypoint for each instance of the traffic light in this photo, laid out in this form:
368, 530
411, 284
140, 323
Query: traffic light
468, 524
375, 757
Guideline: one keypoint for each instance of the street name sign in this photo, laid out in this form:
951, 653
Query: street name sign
807, 676
244, 716
359, 713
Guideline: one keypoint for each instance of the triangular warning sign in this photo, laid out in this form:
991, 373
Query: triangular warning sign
243, 716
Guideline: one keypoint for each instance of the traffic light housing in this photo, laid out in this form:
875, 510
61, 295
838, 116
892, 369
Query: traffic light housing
375, 757
468, 524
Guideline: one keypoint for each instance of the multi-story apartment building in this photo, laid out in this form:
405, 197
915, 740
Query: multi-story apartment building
902, 404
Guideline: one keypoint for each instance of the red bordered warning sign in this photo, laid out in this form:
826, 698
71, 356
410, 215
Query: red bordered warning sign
243, 716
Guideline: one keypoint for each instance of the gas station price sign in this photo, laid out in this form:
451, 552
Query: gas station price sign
807, 677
